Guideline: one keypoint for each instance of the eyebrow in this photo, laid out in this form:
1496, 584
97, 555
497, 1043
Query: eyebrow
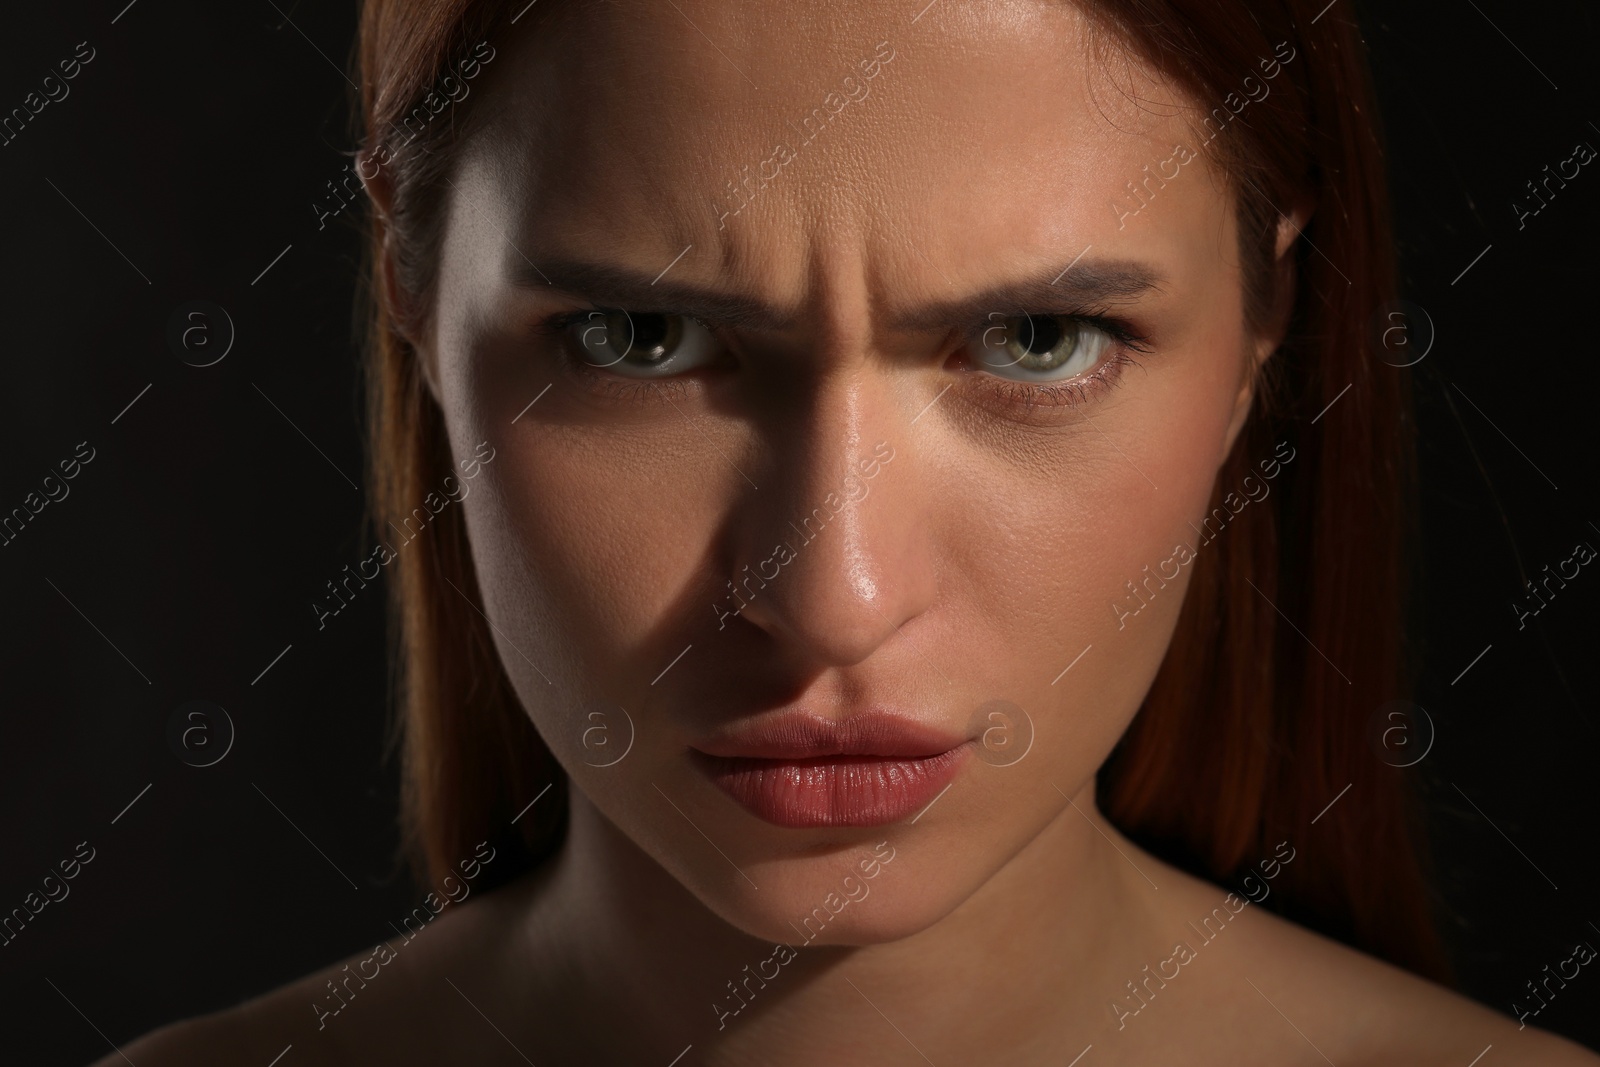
1080, 286
613, 285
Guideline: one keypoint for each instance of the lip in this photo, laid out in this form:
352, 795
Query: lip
799, 770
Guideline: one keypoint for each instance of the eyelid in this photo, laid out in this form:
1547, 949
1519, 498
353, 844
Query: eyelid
1029, 396
1099, 316
1071, 392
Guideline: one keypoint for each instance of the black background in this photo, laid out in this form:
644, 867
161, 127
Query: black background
187, 554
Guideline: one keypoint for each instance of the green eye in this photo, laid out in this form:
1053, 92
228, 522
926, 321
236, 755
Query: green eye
1054, 347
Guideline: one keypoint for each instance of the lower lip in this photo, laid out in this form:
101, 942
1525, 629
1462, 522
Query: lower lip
835, 790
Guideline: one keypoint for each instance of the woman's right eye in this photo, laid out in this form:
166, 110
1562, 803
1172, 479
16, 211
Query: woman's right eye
655, 344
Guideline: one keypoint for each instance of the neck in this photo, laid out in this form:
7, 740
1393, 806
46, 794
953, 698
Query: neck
1046, 937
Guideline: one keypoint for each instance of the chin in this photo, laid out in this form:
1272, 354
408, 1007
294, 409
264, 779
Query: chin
862, 895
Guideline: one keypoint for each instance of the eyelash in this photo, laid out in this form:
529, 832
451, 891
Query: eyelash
612, 386
1078, 391
1025, 395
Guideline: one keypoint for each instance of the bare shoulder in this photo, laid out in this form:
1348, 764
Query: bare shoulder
376, 1005
1328, 998
259, 1030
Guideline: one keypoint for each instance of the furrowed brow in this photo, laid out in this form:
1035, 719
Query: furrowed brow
613, 285
1082, 286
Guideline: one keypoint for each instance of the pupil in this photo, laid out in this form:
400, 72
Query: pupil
1040, 333
650, 333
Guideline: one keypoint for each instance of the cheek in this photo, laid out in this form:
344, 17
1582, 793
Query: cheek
585, 532
1178, 438
588, 543
1062, 537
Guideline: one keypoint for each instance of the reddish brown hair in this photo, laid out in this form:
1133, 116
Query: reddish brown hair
1249, 729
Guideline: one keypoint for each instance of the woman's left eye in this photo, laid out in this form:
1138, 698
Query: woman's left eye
1039, 348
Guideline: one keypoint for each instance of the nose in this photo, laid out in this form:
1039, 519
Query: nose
835, 553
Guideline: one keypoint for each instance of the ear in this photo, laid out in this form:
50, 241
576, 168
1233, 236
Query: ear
1264, 344
374, 168
1289, 229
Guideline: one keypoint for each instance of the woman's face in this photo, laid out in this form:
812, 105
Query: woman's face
904, 385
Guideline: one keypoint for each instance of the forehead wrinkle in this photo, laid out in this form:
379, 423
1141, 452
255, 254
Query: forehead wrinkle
651, 170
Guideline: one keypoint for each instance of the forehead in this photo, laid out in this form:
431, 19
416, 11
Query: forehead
946, 144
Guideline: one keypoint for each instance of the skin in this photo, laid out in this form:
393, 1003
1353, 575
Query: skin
980, 562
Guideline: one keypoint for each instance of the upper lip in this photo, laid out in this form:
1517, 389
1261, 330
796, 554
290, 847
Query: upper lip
799, 735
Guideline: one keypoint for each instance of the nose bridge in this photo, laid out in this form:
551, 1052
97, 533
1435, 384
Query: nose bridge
837, 547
